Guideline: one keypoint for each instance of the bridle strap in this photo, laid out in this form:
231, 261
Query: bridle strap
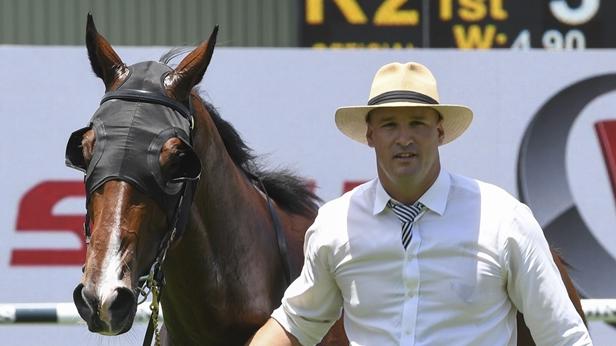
86, 222
134, 95
280, 237
155, 280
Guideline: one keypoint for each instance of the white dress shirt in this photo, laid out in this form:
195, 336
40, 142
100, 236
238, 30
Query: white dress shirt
475, 256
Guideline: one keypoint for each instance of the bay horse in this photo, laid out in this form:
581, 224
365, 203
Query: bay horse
225, 268
193, 201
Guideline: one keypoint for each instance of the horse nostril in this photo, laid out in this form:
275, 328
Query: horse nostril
84, 303
77, 297
124, 302
82, 297
85, 297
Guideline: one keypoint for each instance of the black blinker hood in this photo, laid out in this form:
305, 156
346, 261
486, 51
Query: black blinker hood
131, 125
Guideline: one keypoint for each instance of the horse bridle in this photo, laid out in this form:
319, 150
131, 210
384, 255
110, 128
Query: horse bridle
152, 93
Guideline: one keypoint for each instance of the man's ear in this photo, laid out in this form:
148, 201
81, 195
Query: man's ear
369, 135
441, 132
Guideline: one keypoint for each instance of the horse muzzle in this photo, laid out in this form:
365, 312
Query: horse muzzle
113, 314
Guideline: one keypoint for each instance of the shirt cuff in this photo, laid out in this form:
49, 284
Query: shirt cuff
288, 323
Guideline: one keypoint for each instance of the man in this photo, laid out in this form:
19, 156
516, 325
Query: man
420, 256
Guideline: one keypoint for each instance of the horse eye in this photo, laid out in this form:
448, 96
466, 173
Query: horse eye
170, 163
173, 160
178, 161
87, 147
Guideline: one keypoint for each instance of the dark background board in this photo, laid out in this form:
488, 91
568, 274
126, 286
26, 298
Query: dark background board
522, 24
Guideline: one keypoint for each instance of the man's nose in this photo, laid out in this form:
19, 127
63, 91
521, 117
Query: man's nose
405, 136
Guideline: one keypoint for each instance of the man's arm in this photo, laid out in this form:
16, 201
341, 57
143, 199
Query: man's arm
536, 288
272, 334
311, 304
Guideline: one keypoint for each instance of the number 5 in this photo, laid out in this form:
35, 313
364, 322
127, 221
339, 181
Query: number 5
582, 14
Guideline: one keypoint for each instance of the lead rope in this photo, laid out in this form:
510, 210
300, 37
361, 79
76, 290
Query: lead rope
153, 283
154, 316
153, 329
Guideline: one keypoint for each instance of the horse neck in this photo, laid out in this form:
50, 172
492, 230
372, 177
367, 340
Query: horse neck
226, 202
228, 250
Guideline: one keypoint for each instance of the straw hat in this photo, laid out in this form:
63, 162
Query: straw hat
409, 85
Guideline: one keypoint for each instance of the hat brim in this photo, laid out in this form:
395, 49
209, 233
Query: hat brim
351, 121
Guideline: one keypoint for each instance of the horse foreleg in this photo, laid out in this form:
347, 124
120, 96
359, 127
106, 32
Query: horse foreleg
573, 295
165, 339
336, 335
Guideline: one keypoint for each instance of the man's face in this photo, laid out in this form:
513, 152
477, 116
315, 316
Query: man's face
405, 141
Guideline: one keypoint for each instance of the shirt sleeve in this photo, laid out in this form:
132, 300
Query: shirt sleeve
535, 286
312, 303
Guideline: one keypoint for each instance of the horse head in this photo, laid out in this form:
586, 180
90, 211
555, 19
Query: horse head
140, 173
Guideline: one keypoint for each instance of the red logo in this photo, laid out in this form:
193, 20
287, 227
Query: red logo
606, 130
35, 215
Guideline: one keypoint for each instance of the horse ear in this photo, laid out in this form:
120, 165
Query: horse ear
190, 71
105, 62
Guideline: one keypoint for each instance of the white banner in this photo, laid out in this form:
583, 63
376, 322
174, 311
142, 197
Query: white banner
282, 101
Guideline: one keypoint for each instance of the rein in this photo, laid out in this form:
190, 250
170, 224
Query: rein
280, 238
154, 281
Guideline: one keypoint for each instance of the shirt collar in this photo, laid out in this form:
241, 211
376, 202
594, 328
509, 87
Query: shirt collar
380, 199
436, 196
434, 199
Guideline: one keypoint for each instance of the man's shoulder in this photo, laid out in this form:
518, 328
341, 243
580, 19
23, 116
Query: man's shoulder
330, 226
334, 213
488, 192
497, 206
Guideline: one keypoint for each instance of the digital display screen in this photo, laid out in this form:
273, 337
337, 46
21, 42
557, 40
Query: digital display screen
464, 24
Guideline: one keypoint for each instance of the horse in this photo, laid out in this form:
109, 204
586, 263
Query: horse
189, 207
190, 203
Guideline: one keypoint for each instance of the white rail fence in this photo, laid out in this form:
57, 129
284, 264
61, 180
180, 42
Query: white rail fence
66, 313
60, 313
600, 309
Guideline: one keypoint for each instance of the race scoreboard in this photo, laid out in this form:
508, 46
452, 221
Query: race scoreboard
464, 24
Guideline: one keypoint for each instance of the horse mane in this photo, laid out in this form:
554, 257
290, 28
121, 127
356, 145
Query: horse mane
285, 187
289, 190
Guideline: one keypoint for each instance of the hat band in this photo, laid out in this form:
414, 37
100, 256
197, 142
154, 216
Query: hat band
401, 96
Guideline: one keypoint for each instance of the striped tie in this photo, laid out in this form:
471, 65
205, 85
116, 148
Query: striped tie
406, 214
